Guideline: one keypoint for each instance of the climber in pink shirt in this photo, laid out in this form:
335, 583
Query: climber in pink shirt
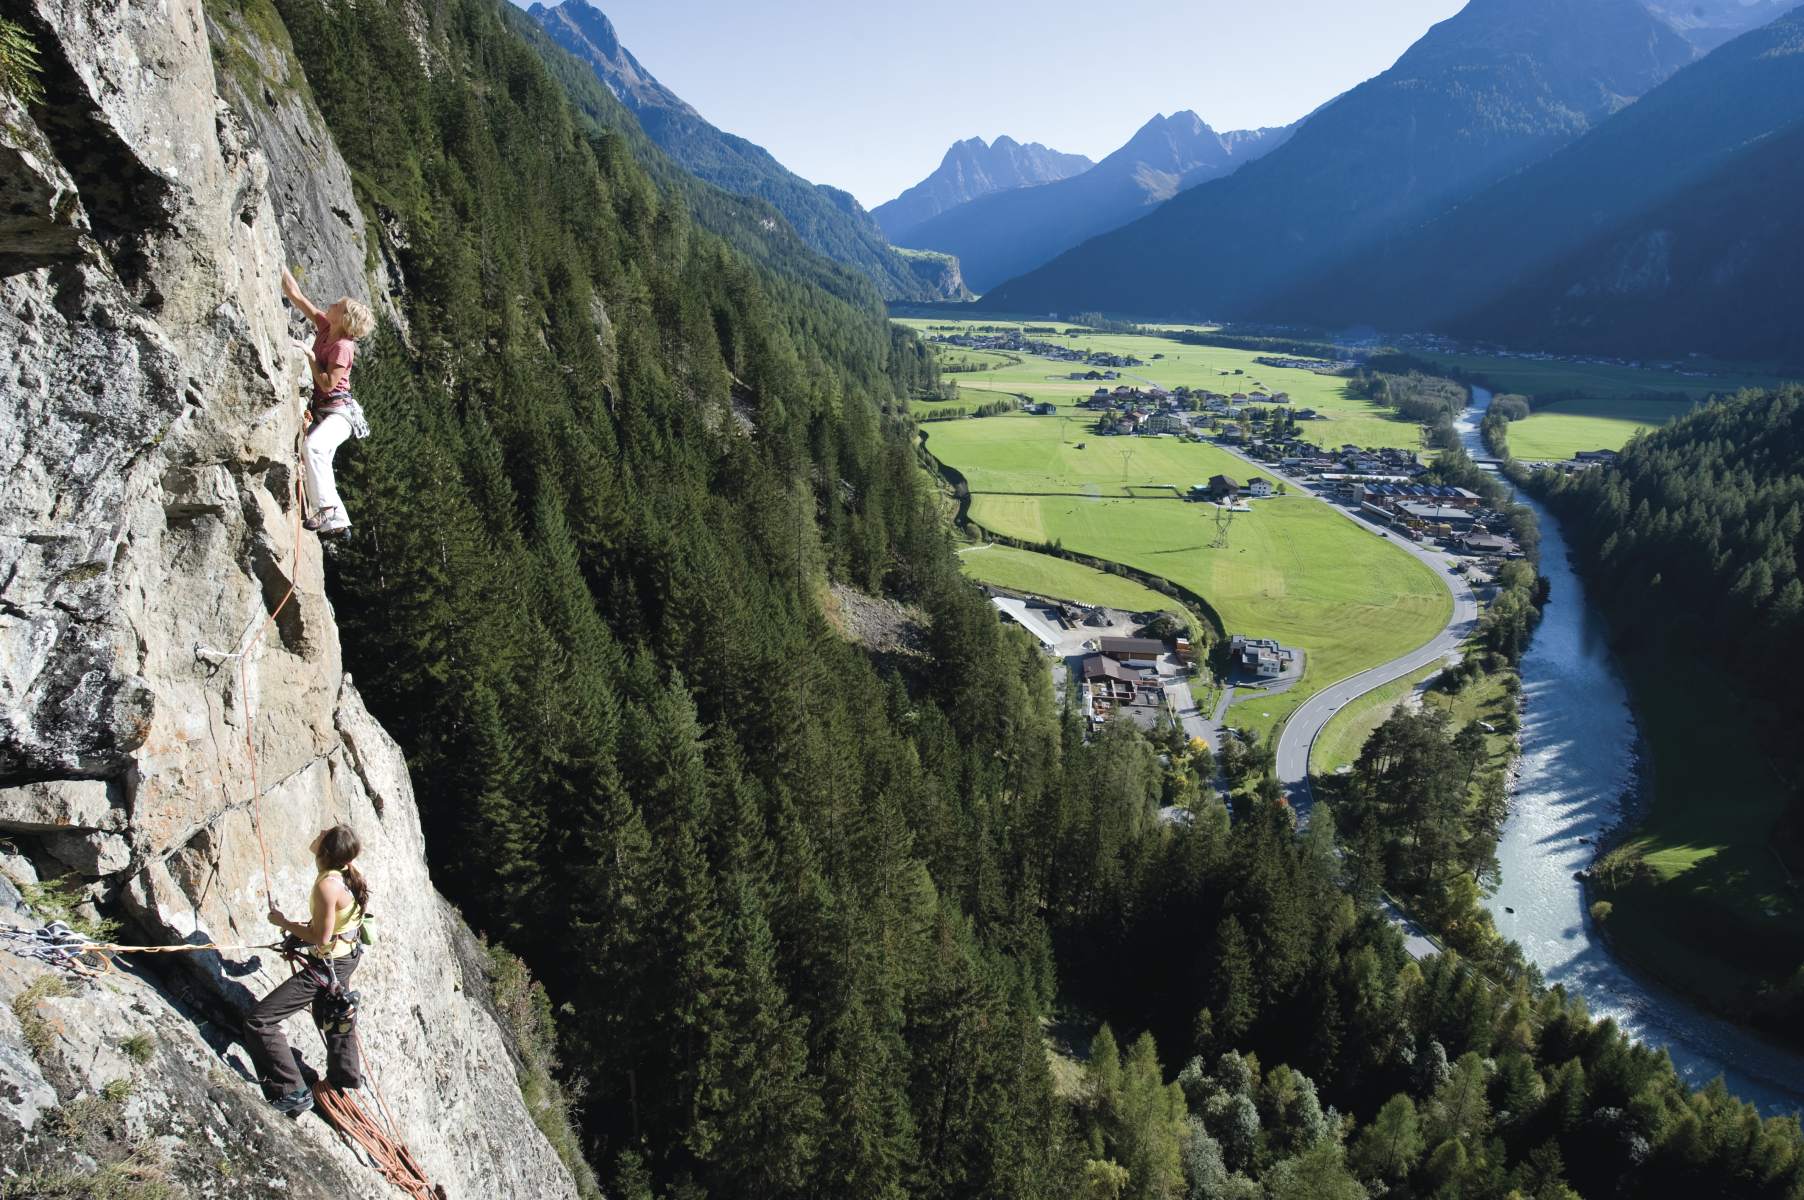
334, 414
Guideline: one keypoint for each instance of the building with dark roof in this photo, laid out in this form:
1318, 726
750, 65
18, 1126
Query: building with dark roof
1132, 649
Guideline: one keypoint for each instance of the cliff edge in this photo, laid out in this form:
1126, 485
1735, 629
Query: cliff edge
149, 415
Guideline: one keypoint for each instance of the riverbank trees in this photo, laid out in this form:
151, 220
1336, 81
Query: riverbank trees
1691, 547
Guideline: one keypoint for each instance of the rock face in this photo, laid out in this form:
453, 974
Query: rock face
149, 415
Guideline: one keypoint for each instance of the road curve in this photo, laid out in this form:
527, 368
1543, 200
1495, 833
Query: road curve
1298, 736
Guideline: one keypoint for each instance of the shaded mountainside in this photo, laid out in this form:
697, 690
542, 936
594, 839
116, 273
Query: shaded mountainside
1482, 94
1652, 231
999, 236
973, 168
826, 218
1716, 268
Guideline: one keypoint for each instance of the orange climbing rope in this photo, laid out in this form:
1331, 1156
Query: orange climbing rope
391, 1158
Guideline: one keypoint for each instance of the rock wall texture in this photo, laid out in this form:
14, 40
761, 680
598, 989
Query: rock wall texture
149, 411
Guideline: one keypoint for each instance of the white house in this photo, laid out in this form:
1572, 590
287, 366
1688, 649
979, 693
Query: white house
1259, 487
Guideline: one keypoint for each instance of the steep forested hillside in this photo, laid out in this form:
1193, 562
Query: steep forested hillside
999, 236
805, 914
1493, 88
1669, 227
827, 219
972, 168
1692, 545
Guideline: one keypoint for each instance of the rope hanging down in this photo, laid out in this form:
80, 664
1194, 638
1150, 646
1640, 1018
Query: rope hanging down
245, 647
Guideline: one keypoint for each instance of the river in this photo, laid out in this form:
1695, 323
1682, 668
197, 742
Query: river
1578, 753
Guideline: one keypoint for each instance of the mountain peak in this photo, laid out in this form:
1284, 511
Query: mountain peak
971, 169
586, 32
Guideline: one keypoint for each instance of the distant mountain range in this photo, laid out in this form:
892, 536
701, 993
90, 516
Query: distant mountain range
1707, 24
973, 169
1496, 87
1002, 234
826, 218
1667, 225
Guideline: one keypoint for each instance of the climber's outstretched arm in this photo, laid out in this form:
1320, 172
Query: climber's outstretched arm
292, 290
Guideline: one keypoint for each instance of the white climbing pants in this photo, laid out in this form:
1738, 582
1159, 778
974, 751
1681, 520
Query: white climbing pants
323, 441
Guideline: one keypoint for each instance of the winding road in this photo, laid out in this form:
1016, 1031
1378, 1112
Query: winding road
1305, 724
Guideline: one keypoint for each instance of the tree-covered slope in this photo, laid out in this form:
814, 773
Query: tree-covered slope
1484, 93
826, 218
972, 168
803, 910
1653, 232
999, 236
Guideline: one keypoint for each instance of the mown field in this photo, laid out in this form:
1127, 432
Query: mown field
1292, 568
1059, 578
1346, 418
1606, 423
1602, 381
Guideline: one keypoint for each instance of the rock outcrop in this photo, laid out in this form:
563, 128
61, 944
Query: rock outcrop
149, 415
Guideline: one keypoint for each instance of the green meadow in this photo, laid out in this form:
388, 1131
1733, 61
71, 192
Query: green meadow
1059, 578
1606, 423
1346, 418
1292, 568
1604, 381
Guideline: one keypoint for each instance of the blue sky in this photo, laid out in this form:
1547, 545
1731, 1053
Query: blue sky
868, 96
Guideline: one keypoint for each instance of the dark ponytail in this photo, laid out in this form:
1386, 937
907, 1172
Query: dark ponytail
338, 848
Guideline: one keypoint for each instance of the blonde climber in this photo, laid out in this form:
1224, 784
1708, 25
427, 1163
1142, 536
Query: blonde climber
334, 414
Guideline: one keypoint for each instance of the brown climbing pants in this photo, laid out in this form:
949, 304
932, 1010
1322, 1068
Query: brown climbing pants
269, 1050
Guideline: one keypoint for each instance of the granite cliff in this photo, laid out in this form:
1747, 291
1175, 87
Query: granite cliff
149, 412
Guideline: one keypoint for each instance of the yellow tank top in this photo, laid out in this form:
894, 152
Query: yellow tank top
340, 945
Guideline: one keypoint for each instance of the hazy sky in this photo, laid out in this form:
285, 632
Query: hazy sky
867, 96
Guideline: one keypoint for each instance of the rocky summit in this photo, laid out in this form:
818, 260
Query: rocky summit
172, 701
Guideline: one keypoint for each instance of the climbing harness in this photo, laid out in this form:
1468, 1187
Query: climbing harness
337, 1011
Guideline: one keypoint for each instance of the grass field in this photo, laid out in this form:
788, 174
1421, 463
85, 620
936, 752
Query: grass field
1603, 381
1563, 429
1346, 417
1717, 917
1344, 736
1291, 568
1060, 579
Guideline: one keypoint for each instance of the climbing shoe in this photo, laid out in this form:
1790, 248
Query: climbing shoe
295, 1103
325, 520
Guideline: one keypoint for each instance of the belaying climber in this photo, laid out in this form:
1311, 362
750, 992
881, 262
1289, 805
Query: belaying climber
333, 414
332, 948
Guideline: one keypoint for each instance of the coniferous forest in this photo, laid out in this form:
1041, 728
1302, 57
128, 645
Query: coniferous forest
805, 915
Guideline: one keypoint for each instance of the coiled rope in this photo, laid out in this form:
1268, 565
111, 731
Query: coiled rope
389, 1155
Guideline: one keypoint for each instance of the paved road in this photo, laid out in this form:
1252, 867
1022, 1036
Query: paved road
1305, 724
